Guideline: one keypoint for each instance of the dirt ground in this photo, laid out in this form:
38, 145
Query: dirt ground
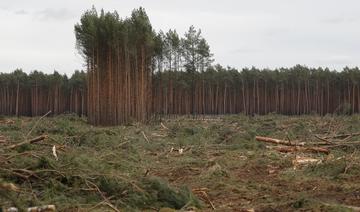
182, 163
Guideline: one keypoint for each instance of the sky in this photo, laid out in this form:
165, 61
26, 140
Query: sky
39, 34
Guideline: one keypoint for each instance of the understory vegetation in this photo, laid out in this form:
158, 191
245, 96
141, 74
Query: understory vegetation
179, 163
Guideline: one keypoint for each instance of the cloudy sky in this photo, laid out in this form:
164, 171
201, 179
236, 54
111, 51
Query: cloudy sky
38, 34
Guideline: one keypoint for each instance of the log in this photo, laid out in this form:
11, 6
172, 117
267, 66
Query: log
34, 140
287, 149
277, 141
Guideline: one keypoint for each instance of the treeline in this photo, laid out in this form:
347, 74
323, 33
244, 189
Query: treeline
37, 93
290, 91
217, 90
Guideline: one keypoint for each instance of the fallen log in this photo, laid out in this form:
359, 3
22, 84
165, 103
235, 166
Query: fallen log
34, 140
278, 141
287, 149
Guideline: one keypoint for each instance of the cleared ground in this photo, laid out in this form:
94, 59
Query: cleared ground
202, 164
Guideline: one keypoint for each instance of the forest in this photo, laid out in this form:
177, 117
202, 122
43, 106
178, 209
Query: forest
35, 94
133, 73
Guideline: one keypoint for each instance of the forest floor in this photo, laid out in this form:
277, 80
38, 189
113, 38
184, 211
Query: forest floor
214, 163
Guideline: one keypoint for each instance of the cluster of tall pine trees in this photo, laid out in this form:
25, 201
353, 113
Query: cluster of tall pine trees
134, 72
118, 54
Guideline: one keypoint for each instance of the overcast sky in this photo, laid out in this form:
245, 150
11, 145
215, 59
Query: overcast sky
39, 34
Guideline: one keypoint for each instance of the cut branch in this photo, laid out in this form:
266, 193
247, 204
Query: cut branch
323, 139
34, 140
145, 137
166, 128
37, 122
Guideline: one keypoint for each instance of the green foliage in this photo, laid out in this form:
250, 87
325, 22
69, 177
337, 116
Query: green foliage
169, 197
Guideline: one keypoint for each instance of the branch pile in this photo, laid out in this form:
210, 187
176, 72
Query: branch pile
288, 146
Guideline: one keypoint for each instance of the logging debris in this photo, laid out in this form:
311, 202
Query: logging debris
31, 141
301, 161
287, 146
36, 174
145, 137
312, 147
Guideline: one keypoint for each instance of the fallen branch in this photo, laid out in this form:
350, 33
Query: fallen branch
338, 144
123, 143
350, 164
142, 132
22, 154
164, 126
37, 122
287, 149
277, 141
323, 139
204, 195
342, 136
347, 138
106, 200
34, 140
208, 199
